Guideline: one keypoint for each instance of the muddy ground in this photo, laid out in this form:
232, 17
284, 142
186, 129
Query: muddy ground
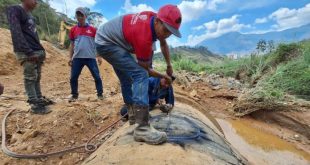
72, 124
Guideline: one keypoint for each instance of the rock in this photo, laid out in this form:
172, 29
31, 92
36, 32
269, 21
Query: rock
113, 91
78, 124
93, 100
297, 137
30, 134
5, 105
29, 126
214, 82
216, 88
75, 156
105, 117
44, 150
233, 84
193, 93
15, 137
55, 122
29, 148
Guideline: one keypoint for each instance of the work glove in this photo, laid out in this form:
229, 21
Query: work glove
166, 108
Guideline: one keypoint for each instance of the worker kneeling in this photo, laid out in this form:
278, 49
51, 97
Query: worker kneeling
137, 34
159, 89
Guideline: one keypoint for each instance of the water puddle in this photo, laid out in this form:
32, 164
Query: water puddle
260, 147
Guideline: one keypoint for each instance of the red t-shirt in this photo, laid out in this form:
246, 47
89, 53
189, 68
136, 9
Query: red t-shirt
77, 31
84, 41
138, 33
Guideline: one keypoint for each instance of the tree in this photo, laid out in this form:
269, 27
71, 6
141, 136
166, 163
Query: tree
261, 46
270, 46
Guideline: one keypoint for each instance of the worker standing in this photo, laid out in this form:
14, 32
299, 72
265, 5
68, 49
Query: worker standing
83, 52
137, 33
29, 52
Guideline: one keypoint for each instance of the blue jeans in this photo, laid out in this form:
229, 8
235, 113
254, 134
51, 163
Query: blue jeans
77, 66
133, 78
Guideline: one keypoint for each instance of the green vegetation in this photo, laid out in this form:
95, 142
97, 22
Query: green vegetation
285, 70
47, 20
294, 76
181, 63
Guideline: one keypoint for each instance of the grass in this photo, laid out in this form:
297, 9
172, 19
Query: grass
293, 76
179, 63
285, 70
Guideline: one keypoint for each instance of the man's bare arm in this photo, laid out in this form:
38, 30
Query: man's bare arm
153, 72
165, 50
71, 53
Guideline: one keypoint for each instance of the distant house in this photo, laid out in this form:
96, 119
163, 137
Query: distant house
232, 56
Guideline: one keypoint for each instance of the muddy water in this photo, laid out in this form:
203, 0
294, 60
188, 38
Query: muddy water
260, 147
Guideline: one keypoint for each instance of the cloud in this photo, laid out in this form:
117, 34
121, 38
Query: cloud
261, 20
192, 10
240, 5
129, 8
215, 29
289, 18
68, 6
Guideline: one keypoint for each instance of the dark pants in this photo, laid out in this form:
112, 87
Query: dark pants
77, 66
32, 74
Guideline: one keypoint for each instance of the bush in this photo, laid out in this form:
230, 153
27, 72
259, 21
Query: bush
293, 77
305, 45
188, 65
181, 63
284, 53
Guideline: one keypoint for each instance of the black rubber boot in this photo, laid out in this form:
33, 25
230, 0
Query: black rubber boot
38, 107
131, 114
145, 132
128, 114
46, 101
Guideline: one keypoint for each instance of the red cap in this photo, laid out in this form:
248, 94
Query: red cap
171, 16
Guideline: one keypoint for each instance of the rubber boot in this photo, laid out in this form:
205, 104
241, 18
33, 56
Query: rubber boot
145, 132
127, 113
38, 107
131, 114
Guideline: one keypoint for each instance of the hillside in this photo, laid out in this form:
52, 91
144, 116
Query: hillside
47, 19
236, 42
199, 54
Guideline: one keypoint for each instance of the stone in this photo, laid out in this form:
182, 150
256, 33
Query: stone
193, 93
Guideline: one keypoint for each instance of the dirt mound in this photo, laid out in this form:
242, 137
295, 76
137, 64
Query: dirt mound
69, 124
191, 141
8, 64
